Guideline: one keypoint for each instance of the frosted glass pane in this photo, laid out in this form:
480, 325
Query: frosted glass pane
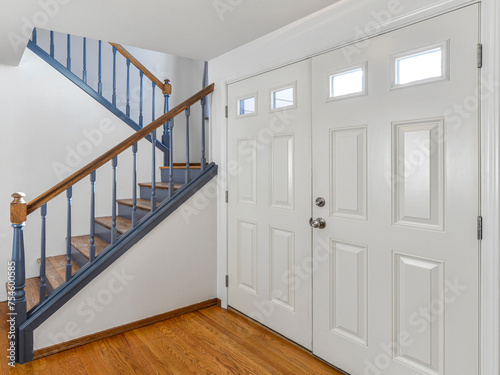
247, 106
347, 83
283, 98
418, 67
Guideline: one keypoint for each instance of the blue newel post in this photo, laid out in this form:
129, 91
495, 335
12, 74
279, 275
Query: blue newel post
17, 295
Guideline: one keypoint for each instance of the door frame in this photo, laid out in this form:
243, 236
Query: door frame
490, 191
490, 157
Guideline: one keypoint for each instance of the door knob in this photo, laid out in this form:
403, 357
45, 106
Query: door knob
318, 223
320, 202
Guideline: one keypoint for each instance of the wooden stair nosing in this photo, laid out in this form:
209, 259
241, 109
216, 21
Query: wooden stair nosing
160, 185
142, 204
183, 166
122, 224
82, 244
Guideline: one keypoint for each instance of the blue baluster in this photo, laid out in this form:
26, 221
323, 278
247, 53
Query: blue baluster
114, 233
171, 158
166, 105
92, 216
141, 117
153, 101
114, 76
153, 155
52, 44
166, 108
188, 114
34, 36
84, 74
99, 79
69, 194
203, 158
68, 60
153, 171
134, 185
128, 88
43, 284
204, 102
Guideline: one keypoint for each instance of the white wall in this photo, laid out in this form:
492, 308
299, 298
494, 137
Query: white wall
168, 269
338, 25
44, 117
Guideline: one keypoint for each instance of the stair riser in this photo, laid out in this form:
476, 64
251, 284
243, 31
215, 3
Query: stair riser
126, 212
161, 194
48, 286
78, 257
103, 233
179, 175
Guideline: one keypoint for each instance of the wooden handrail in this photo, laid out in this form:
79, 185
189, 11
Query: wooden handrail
106, 157
166, 87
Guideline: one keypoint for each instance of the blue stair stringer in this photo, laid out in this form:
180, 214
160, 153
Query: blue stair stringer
90, 271
89, 90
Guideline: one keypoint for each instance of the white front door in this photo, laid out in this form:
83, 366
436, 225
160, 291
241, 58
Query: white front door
269, 159
395, 157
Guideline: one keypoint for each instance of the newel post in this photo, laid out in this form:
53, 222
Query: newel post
17, 298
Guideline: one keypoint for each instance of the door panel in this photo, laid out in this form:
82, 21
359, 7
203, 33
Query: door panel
269, 200
396, 283
396, 269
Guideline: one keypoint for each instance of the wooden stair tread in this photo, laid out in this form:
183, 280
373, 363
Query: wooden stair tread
55, 270
32, 290
142, 204
82, 244
122, 224
183, 166
160, 185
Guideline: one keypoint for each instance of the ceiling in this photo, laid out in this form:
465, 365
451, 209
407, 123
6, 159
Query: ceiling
199, 29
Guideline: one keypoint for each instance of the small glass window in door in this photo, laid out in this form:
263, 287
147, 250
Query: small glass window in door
283, 98
428, 64
246, 106
348, 82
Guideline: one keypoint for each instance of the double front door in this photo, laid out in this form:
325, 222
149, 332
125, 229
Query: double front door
354, 199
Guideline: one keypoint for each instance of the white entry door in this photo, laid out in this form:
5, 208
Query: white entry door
395, 157
269, 163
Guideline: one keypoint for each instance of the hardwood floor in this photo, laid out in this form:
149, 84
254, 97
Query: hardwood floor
208, 341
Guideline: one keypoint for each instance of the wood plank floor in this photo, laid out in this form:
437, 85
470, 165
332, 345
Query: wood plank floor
209, 341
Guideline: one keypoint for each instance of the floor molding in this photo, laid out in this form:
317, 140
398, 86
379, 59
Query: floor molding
122, 329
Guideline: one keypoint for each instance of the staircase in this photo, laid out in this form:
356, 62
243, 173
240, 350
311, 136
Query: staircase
118, 99
55, 274
86, 256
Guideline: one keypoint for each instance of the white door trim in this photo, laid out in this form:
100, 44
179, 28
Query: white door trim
490, 144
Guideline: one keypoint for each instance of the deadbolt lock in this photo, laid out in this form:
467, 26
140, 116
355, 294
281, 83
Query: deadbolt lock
320, 202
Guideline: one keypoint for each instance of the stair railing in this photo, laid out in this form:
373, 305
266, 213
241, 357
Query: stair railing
96, 83
20, 210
